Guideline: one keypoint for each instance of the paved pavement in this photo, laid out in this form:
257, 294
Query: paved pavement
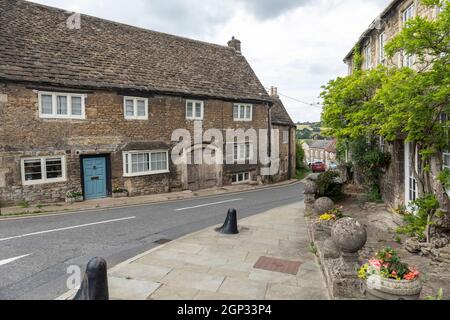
209, 266
36, 252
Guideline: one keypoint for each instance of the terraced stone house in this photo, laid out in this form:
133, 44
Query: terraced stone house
89, 105
398, 183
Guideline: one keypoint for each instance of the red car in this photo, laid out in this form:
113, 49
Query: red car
318, 166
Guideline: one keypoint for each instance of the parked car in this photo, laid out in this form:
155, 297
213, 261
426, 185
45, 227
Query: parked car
318, 166
332, 166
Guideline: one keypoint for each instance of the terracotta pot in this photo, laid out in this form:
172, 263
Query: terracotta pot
378, 288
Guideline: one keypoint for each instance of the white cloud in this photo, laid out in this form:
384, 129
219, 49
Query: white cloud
296, 45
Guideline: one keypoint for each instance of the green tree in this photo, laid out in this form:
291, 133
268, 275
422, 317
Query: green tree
400, 103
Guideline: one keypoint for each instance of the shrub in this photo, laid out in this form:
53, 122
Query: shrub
74, 194
24, 204
328, 186
417, 223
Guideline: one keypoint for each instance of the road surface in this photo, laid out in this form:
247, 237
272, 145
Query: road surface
36, 252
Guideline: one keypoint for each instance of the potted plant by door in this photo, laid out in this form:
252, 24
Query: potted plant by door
119, 193
74, 196
388, 278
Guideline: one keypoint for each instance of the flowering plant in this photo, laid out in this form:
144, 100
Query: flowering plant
334, 214
387, 264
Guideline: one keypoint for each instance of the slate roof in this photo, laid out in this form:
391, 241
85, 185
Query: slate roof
279, 114
372, 26
36, 46
323, 144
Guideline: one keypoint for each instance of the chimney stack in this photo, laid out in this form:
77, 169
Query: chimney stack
235, 44
273, 92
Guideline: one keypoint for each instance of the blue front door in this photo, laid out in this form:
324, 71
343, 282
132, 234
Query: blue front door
94, 170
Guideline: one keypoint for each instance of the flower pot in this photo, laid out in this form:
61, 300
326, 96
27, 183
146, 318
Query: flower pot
379, 288
74, 199
123, 194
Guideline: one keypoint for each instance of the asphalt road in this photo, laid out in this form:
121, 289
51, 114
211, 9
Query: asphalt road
36, 252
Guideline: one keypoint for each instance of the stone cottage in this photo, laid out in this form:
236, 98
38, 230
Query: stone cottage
89, 105
398, 183
287, 129
320, 150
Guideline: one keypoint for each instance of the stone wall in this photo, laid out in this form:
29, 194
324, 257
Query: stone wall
393, 180
104, 131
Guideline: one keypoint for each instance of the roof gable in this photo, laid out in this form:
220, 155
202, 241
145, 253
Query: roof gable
37, 46
279, 113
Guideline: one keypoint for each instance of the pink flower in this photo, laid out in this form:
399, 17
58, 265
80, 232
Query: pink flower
413, 274
376, 263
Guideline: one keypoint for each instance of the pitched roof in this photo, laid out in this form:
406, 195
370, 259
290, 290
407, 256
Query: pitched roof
279, 113
37, 46
322, 144
372, 26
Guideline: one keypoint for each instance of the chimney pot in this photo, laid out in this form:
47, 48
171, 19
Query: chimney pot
235, 44
274, 91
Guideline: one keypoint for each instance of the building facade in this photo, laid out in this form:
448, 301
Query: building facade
92, 108
320, 150
398, 185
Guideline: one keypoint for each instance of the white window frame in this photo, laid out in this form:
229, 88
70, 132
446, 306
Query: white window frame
44, 179
381, 44
408, 13
407, 60
285, 136
368, 56
69, 96
135, 110
446, 152
126, 154
194, 102
243, 181
246, 117
238, 158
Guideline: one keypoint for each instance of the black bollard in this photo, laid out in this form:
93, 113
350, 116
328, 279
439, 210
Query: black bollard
230, 226
95, 281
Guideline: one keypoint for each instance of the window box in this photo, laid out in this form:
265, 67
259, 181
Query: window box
135, 108
242, 112
42, 170
142, 163
194, 110
53, 105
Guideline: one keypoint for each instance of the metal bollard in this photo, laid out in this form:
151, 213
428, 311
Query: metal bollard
95, 281
230, 226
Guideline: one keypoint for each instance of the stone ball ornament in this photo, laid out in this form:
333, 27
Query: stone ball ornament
310, 187
349, 235
323, 205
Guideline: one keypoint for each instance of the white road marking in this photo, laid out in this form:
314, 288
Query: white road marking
6, 261
208, 204
66, 228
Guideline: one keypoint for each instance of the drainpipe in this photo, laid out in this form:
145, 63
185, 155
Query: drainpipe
269, 133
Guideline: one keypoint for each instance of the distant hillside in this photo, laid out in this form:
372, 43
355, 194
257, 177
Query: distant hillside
310, 130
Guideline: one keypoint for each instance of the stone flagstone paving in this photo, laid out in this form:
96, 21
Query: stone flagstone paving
209, 266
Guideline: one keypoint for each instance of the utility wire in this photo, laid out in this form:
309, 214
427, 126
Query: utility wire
301, 101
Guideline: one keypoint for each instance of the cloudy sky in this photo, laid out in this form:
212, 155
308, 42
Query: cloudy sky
295, 45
